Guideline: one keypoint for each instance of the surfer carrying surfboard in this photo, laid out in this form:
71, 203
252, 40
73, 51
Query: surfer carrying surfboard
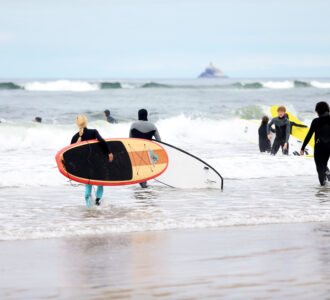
282, 131
321, 127
86, 134
144, 129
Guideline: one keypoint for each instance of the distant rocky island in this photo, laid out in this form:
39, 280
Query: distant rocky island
212, 72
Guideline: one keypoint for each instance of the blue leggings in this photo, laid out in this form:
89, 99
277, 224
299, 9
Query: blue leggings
88, 192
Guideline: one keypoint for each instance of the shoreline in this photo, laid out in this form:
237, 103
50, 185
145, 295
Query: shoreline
265, 261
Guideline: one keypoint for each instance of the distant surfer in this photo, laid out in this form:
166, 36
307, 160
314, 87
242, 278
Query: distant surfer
143, 129
86, 134
264, 142
282, 131
321, 127
110, 118
293, 123
38, 119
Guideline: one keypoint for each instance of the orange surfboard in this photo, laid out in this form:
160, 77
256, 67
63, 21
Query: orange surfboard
135, 160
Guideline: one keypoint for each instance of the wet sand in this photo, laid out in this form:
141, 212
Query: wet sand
243, 262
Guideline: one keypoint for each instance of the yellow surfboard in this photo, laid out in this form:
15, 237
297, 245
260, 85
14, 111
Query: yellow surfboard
298, 132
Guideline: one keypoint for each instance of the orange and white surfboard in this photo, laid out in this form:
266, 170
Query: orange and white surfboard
135, 160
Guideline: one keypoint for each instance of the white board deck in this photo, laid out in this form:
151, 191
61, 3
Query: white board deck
188, 171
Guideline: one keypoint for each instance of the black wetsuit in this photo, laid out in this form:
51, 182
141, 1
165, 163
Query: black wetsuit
321, 127
111, 119
91, 134
264, 142
282, 130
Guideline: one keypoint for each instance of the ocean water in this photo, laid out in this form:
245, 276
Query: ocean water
201, 116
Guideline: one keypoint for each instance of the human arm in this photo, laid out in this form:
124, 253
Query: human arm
309, 135
269, 125
157, 135
287, 131
104, 144
298, 125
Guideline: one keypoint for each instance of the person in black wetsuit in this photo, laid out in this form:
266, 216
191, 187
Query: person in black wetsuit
264, 142
282, 130
143, 129
294, 124
86, 134
321, 127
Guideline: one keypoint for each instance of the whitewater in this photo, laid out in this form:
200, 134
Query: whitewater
195, 115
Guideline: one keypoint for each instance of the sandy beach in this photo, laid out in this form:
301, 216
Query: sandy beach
243, 262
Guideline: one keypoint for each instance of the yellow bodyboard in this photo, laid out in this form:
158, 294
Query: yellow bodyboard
298, 132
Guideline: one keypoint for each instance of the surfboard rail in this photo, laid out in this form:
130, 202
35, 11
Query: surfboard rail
195, 157
137, 158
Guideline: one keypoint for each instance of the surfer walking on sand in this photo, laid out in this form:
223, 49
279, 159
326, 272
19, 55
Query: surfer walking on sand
321, 127
144, 129
86, 134
282, 131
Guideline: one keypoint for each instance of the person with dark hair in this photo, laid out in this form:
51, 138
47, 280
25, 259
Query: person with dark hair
264, 142
282, 130
143, 129
110, 118
86, 134
294, 124
37, 119
321, 127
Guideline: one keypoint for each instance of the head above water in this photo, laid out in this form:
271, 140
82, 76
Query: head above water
265, 119
143, 114
107, 112
321, 108
281, 111
38, 119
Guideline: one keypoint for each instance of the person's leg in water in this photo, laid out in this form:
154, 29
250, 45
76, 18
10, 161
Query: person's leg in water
275, 147
99, 194
144, 184
321, 157
88, 192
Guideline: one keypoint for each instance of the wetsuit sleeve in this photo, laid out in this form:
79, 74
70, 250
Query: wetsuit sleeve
309, 135
269, 125
103, 142
298, 125
287, 131
130, 131
74, 138
156, 134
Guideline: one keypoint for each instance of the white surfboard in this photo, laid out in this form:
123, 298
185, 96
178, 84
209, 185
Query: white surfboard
249, 131
188, 171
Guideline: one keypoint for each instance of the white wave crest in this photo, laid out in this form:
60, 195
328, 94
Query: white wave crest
278, 84
61, 85
320, 85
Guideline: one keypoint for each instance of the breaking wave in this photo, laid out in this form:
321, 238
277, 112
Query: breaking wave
89, 86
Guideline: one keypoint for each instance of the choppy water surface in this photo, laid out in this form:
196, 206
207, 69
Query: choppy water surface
199, 116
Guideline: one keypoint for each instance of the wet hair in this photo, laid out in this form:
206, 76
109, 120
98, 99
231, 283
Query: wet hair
321, 108
107, 112
143, 114
281, 108
38, 119
265, 119
81, 121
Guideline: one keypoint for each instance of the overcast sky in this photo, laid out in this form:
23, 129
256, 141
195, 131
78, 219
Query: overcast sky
163, 39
